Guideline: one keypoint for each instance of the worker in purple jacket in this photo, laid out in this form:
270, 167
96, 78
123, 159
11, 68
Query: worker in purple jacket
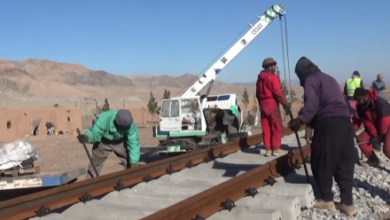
332, 148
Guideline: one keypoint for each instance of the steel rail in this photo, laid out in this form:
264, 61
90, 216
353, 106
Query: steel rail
223, 196
44, 202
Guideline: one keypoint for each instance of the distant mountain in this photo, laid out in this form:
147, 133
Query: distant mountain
246, 84
45, 78
182, 81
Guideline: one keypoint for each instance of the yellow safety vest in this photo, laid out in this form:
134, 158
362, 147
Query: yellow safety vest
352, 84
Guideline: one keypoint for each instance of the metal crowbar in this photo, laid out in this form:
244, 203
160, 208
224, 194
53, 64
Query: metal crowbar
89, 156
300, 149
364, 142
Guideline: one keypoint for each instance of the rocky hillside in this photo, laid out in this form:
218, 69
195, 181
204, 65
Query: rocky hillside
45, 78
167, 81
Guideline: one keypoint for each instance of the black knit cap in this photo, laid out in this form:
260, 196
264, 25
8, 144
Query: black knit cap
356, 73
124, 118
360, 93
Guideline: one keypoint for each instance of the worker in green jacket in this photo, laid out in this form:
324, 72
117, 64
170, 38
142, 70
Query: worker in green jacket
115, 131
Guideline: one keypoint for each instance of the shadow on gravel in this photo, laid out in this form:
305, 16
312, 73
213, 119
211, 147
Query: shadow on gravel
297, 178
232, 169
383, 168
373, 190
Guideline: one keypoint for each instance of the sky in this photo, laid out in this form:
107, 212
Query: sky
155, 37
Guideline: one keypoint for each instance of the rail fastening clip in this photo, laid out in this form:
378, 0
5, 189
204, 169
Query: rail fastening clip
228, 204
251, 191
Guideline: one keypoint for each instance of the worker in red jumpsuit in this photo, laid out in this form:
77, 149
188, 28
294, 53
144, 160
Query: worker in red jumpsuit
269, 95
374, 112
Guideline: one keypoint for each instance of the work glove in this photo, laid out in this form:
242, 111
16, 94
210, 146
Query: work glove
295, 124
375, 142
287, 107
82, 138
132, 165
352, 111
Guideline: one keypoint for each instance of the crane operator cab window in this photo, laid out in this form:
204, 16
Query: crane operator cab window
191, 115
170, 109
170, 115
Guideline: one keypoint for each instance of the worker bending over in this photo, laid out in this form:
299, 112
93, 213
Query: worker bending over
333, 153
374, 112
114, 131
269, 94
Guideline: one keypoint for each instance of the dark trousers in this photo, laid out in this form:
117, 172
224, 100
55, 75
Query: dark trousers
333, 154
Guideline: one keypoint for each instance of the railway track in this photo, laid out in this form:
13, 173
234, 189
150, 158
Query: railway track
239, 191
135, 203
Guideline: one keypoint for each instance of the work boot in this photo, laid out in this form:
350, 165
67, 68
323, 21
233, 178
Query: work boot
321, 204
268, 153
372, 160
278, 152
349, 210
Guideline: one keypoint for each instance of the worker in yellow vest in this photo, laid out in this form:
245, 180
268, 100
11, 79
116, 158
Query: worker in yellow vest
352, 83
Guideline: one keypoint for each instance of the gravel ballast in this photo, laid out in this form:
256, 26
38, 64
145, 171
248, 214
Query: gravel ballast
370, 192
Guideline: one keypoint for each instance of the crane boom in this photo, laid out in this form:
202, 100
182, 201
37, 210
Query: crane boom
212, 73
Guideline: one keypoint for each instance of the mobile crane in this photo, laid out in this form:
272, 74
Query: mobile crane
191, 121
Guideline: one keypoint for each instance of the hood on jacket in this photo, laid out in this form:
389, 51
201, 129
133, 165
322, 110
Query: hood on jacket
362, 93
304, 68
373, 94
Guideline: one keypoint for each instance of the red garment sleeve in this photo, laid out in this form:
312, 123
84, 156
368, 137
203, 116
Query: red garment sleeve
382, 108
369, 127
277, 89
356, 123
383, 125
